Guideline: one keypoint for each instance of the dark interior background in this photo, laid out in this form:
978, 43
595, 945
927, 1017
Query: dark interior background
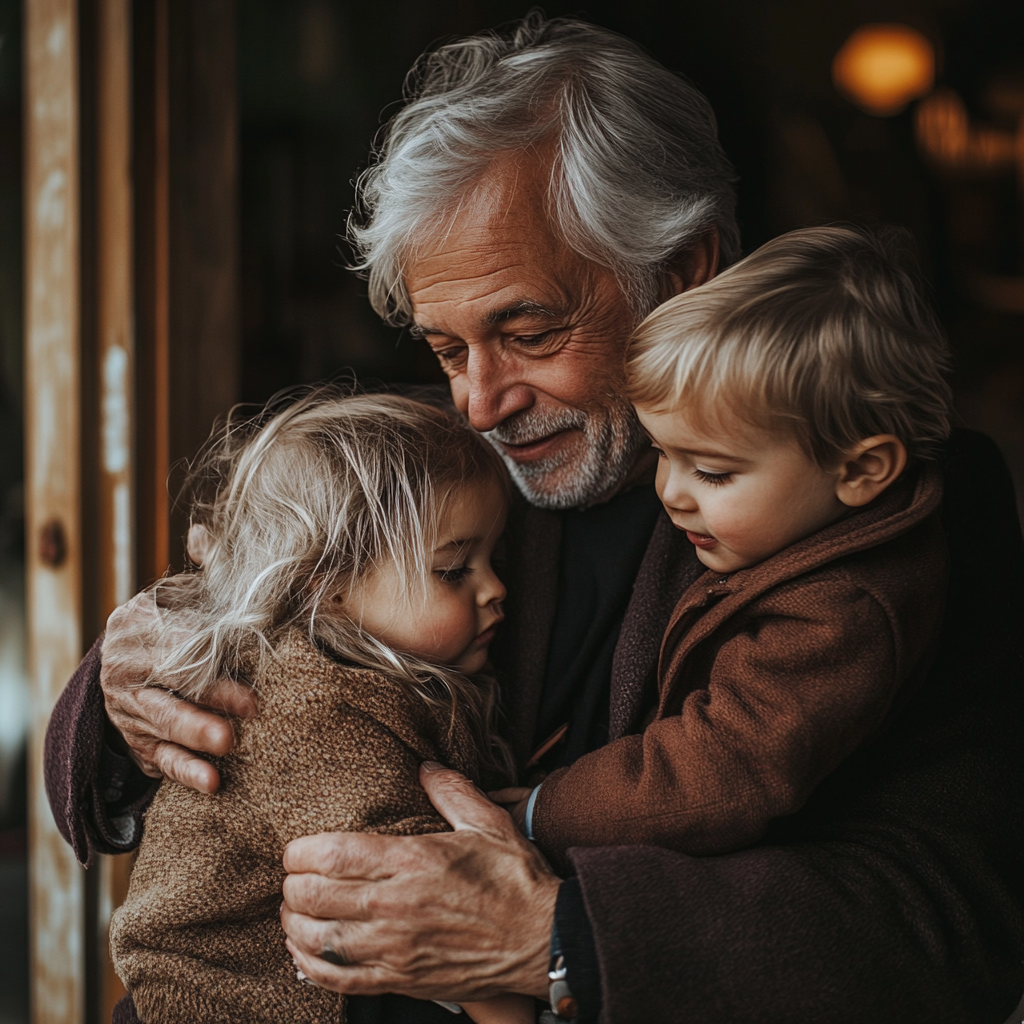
317, 79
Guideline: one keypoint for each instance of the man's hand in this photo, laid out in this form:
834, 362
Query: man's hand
460, 916
162, 732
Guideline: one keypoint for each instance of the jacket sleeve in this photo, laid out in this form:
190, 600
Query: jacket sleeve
789, 695
896, 895
97, 796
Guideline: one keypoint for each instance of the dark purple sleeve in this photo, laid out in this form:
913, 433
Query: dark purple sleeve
97, 796
896, 894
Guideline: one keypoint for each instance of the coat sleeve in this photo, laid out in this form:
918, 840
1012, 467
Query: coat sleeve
895, 896
313, 763
803, 679
97, 796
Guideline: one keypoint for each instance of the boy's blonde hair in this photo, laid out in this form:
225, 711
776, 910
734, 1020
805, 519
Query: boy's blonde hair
823, 332
305, 501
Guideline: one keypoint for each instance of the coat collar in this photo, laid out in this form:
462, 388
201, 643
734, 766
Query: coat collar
901, 507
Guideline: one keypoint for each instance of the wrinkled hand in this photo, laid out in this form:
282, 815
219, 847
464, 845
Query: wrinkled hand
162, 732
463, 915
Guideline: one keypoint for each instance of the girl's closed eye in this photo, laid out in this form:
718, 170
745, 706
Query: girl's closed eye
715, 479
455, 574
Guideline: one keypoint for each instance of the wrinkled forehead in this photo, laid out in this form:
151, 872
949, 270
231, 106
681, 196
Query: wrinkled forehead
496, 236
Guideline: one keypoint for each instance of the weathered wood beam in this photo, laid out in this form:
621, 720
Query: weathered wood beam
53, 485
114, 374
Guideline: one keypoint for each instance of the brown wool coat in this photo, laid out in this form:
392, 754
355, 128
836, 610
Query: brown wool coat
769, 678
333, 748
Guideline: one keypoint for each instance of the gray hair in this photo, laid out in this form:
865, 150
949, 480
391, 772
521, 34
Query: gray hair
638, 174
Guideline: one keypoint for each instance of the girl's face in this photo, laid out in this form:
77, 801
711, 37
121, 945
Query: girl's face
454, 618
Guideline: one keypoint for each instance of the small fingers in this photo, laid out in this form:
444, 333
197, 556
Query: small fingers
510, 795
231, 697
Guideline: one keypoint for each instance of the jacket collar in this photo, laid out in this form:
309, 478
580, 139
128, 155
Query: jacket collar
897, 510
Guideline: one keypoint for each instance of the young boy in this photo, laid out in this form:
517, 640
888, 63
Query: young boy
797, 402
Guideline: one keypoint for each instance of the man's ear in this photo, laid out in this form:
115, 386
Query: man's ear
693, 267
868, 468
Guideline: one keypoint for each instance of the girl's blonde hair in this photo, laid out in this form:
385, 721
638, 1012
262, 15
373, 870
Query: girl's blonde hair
823, 332
303, 502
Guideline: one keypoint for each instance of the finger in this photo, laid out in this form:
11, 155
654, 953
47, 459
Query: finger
461, 804
181, 765
231, 697
316, 896
352, 940
179, 722
509, 795
354, 979
342, 855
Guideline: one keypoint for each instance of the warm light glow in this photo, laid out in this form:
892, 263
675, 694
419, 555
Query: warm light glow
883, 67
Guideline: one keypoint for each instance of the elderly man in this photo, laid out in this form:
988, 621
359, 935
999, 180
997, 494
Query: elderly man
542, 191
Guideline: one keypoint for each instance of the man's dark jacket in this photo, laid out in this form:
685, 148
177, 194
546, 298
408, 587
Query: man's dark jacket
896, 894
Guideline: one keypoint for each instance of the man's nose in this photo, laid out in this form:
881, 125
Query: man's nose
493, 391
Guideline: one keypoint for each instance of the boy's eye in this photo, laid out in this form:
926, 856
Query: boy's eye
660, 451
454, 574
711, 478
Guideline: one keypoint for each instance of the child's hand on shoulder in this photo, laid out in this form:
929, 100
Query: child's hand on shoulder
515, 800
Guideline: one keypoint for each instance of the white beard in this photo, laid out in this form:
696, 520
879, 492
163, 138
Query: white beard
612, 438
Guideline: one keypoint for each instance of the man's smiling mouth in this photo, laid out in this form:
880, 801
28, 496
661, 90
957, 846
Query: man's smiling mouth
526, 451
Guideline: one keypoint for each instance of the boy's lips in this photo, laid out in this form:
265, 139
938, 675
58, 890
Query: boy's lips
701, 540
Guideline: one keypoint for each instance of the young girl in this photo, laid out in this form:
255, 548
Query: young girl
346, 573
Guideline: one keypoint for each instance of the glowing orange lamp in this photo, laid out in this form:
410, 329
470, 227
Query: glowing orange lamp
882, 68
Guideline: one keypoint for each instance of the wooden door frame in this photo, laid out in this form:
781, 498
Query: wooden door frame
130, 350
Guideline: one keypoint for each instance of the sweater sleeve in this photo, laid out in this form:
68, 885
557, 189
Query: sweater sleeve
790, 694
97, 797
311, 762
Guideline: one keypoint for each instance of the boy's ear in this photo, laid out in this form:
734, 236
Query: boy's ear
868, 468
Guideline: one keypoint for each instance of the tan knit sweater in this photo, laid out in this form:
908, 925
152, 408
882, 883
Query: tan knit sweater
333, 748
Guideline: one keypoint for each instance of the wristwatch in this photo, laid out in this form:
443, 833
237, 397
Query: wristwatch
563, 1002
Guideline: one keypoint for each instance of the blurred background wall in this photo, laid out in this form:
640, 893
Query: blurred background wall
315, 76
305, 84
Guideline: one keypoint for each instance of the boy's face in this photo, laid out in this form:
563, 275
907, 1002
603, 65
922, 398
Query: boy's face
453, 620
740, 493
